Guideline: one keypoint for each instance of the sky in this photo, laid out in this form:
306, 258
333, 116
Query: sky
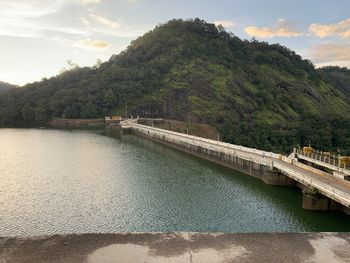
38, 37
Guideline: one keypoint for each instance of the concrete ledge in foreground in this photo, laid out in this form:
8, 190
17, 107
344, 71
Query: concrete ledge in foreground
178, 247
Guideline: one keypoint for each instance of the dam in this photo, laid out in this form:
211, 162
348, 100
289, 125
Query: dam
321, 190
121, 189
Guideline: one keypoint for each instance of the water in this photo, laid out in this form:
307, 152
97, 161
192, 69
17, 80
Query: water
57, 181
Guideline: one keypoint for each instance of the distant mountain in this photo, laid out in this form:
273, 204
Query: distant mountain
6, 86
255, 94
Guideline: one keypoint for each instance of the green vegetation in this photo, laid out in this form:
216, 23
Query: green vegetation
337, 77
255, 94
5, 86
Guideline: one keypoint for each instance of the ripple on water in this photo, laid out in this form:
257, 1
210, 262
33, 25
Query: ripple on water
79, 181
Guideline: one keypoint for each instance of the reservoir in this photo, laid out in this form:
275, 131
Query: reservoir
96, 181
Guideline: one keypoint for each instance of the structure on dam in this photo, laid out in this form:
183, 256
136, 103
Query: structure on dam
321, 190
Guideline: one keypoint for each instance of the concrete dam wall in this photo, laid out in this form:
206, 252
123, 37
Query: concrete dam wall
263, 171
272, 168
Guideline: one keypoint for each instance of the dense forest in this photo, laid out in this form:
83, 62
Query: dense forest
256, 94
6, 86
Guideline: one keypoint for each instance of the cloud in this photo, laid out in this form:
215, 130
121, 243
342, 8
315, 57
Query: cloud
30, 8
105, 21
224, 23
88, 2
329, 53
341, 29
32, 18
36, 28
341, 63
96, 23
283, 28
98, 45
62, 19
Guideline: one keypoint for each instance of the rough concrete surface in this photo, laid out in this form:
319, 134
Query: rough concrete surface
178, 247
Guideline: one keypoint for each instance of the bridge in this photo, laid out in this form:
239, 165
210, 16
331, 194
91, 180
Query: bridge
327, 161
322, 190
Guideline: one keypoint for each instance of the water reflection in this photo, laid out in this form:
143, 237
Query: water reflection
57, 181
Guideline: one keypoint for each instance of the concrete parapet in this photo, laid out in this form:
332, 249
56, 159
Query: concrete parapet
177, 247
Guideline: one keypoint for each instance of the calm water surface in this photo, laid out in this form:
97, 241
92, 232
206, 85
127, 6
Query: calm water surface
56, 181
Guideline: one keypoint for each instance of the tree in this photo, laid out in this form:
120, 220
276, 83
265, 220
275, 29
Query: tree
9, 115
89, 111
40, 115
98, 64
28, 114
71, 111
109, 100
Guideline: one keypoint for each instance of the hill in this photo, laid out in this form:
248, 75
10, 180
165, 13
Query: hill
254, 93
338, 77
6, 86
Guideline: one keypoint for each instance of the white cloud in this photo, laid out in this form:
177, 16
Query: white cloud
283, 28
88, 2
341, 63
28, 18
105, 21
30, 8
331, 53
33, 28
341, 29
224, 23
85, 21
98, 45
38, 19
98, 24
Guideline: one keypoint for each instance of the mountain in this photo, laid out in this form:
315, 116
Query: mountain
255, 94
338, 77
5, 86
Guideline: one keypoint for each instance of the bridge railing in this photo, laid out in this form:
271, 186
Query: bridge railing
210, 143
340, 196
330, 159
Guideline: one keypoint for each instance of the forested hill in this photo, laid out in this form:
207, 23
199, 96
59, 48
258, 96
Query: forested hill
5, 86
338, 77
256, 94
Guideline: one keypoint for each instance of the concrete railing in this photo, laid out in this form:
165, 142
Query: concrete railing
330, 162
327, 190
212, 143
